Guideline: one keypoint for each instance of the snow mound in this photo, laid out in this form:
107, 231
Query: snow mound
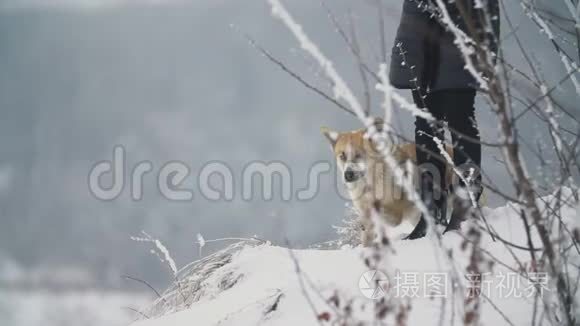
257, 283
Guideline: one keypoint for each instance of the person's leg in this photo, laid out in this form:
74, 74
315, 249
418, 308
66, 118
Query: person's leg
430, 167
426, 130
460, 115
429, 159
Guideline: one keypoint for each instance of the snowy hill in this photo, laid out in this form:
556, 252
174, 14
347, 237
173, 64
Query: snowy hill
255, 284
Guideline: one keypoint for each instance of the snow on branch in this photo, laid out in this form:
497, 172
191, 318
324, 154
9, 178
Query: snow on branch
571, 67
390, 95
162, 252
459, 174
464, 43
340, 88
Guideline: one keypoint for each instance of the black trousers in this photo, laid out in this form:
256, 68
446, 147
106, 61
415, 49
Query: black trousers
456, 107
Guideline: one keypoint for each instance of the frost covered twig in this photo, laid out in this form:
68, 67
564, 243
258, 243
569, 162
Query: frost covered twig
464, 43
137, 311
354, 47
147, 285
163, 254
303, 288
294, 75
459, 174
340, 88
193, 277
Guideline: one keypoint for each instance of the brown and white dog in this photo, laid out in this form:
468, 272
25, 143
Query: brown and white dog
371, 184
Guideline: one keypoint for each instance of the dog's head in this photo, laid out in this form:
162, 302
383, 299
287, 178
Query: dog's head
351, 150
354, 151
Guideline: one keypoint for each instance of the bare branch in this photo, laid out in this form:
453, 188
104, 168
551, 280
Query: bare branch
294, 75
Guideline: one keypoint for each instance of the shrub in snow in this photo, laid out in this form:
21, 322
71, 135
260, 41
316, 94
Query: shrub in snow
191, 282
350, 230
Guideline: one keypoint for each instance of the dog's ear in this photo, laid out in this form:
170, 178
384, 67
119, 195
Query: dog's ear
331, 135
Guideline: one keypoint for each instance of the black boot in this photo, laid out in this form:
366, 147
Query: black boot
436, 206
419, 231
461, 211
463, 205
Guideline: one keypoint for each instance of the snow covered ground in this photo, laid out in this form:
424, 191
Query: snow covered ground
270, 285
